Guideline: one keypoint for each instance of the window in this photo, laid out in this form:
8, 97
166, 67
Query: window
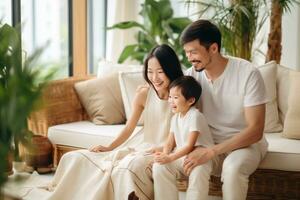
5, 12
45, 24
96, 33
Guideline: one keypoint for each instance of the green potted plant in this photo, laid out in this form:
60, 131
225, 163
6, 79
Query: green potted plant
159, 27
21, 85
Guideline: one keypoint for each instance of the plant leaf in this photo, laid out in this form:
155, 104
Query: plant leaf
127, 51
127, 25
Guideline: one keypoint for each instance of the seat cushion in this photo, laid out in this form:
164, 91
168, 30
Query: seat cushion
85, 134
283, 153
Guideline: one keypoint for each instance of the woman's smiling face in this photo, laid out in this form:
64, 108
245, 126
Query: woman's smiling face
157, 76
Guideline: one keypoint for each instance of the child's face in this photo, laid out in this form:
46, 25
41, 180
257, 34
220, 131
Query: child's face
178, 102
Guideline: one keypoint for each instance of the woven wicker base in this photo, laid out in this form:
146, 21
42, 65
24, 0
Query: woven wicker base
60, 150
264, 184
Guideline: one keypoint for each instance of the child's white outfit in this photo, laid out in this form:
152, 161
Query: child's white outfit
193, 120
182, 127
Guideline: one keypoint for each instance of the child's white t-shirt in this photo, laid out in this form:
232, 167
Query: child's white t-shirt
192, 121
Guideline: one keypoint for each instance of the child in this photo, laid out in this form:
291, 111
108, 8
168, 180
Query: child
188, 130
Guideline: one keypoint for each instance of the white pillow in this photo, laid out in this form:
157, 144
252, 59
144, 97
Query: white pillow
129, 82
269, 74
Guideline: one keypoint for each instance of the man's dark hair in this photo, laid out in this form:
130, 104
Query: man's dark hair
168, 61
206, 32
190, 88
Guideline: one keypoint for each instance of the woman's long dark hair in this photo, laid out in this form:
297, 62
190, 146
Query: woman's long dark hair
167, 59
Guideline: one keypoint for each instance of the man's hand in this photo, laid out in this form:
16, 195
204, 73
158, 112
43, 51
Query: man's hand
197, 157
100, 148
162, 158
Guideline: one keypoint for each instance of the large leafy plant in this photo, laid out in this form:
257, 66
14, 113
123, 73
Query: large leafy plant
159, 27
20, 88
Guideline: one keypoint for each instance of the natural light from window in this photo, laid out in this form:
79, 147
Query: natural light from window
5, 11
45, 24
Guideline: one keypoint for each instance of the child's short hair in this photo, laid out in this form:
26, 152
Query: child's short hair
189, 87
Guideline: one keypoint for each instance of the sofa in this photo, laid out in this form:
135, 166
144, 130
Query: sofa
71, 121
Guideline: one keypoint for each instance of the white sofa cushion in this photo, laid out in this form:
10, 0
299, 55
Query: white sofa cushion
129, 82
269, 74
84, 134
283, 153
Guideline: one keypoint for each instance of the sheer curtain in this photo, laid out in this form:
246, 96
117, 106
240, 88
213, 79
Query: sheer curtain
117, 39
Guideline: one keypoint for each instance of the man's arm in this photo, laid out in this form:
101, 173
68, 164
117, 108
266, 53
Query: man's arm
255, 119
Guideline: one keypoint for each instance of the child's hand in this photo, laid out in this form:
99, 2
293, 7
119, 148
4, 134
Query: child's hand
162, 158
100, 148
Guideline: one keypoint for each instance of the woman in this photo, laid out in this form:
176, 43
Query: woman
101, 174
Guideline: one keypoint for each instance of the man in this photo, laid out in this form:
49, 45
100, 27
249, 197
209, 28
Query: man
233, 101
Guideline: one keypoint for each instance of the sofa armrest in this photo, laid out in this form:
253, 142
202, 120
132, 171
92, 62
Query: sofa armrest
60, 104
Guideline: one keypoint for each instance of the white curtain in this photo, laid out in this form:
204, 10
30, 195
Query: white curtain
117, 39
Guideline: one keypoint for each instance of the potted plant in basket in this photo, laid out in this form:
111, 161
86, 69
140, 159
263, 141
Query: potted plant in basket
21, 85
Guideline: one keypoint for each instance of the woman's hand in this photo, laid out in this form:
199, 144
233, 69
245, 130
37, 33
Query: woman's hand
162, 158
100, 148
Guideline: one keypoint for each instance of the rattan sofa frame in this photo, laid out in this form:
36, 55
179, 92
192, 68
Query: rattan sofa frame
62, 105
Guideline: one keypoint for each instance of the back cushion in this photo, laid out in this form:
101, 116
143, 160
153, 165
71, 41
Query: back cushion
283, 87
269, 74
129, 82
292, 118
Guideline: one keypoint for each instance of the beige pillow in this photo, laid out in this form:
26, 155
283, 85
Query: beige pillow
292, 120
269, 74
101, 98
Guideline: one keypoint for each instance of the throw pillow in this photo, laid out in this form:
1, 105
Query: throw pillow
101, 98
269, 74
129, 82
292, 120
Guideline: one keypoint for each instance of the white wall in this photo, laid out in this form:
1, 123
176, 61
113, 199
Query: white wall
291, 39
119, 11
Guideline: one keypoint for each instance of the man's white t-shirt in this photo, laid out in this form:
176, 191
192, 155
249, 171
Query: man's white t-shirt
223, 100
193, 120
